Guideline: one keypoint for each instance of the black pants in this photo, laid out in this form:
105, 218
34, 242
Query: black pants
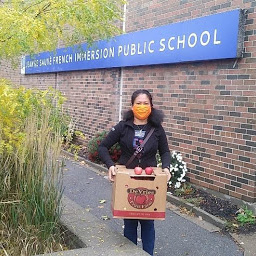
147, 233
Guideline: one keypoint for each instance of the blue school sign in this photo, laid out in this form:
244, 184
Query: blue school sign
211, 37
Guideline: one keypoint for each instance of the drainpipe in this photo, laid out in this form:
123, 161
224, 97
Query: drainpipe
121, 74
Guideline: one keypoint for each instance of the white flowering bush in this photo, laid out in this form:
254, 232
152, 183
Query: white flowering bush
178, 170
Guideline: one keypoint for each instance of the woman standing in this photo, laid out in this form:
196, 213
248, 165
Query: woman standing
130, 134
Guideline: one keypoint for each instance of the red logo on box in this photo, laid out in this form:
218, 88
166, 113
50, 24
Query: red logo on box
141, 198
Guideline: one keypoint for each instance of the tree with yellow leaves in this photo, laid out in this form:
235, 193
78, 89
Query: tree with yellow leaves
31, 26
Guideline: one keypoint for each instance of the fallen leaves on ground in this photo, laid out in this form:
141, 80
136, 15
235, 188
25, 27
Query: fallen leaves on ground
105, 217
184, 210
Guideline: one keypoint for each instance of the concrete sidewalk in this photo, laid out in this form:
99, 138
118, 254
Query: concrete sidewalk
180, 234
93, 235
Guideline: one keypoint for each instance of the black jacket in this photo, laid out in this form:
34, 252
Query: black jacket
124, 133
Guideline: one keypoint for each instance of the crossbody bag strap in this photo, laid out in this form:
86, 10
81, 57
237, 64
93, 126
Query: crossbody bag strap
139, 148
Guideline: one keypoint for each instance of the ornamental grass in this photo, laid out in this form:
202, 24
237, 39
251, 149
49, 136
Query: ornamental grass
30, 172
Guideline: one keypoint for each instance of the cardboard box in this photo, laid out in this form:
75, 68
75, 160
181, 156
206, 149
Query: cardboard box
139, 196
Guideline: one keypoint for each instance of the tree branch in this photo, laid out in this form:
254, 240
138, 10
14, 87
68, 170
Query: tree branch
37, 15
30, 6
43, 10
8, 38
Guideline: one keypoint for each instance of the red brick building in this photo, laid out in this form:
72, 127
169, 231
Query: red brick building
210, 106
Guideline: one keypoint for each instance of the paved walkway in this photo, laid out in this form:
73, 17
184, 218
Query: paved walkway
178, 235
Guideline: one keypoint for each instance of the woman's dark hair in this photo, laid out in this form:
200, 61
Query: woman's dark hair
142, 91
155, 118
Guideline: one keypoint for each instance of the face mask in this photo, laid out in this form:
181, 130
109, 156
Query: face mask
141, 111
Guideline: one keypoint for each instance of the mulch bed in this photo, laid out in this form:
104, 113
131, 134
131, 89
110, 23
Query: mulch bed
218, 207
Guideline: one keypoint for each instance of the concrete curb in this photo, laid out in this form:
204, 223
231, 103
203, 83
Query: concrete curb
96, 237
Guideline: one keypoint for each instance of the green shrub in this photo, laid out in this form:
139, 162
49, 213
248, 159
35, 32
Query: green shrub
17, 104
70, 140
246, 216
93, 145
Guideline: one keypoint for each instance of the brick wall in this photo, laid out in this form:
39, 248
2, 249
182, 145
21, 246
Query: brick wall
8, 71
92, 98
210, 107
